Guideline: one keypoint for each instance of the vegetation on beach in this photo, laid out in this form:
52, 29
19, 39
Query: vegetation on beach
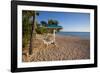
32, 27
66, 48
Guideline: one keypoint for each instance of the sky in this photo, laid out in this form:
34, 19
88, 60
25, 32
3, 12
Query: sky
70, 21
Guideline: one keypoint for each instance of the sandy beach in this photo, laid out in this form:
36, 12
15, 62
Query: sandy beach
66, 48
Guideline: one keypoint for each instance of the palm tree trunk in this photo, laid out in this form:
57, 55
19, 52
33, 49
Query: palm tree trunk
34, 26
33, 33
54, 35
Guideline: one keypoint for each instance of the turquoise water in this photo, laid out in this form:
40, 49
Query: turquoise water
85, 35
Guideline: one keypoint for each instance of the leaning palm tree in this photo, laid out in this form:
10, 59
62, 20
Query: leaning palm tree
27, 15
33, 31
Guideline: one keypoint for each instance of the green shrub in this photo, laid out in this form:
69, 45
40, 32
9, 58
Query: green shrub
41, 30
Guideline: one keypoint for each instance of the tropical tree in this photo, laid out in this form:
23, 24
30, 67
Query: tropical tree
56, 22
41, 28
33, 26
43, 23
26, 27
33, 32
52, 22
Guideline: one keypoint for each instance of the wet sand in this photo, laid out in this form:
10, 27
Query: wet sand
66, 48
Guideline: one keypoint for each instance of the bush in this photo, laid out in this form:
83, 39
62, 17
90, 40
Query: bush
25, 41
41, 30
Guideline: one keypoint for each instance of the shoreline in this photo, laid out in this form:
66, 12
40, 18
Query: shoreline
84, 38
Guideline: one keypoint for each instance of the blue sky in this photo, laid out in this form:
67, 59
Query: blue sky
70, 21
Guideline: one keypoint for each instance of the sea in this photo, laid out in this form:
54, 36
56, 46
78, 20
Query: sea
84, 35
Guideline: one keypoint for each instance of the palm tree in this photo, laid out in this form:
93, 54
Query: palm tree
52, 22
25, 28
33, 31
27, 15
44, 23
55, 22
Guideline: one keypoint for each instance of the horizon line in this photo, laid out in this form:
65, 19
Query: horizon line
74, 31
